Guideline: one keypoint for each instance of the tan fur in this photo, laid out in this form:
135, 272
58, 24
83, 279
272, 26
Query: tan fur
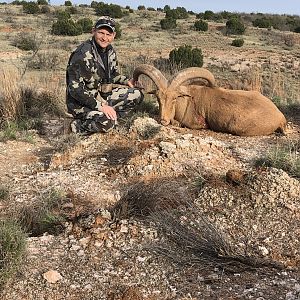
244, 113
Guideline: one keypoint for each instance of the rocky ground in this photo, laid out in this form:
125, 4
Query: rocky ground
252, 218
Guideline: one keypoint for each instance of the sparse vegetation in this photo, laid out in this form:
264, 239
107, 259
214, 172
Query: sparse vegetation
285, 157
44, 215
4, 192
26, 41
12, 248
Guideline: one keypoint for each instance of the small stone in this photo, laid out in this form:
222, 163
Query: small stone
52, 276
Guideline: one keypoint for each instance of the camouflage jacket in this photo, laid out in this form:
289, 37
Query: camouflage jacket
86, 72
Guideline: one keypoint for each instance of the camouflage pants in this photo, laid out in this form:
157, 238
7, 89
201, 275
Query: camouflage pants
123, 100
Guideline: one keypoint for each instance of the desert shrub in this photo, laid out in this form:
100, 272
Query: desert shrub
31, 7
151, 8
237, 42
289, 40
208, 15
12, 249
63, 14
262, 22
141, 7
118, 31
4, 192
26, 41
86, 24
168, 23
72, 10
65, 26
235, 26
112, 10
46, 60
94, 4
68, 3
45, 9
131, 10
177, 13
297, 29
42, 2
186, 56
201, 25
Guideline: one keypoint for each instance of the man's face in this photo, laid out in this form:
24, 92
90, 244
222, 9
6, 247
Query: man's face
103, 37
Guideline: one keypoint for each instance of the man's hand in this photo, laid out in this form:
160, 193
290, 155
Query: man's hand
109, 112
136, 84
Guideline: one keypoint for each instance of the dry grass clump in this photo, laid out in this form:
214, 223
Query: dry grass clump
191, 239
11, 104
45, 214
285, 157
46, 60
145, 197
12, 248
41, 102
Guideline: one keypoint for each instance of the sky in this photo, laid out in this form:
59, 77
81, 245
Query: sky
291, 7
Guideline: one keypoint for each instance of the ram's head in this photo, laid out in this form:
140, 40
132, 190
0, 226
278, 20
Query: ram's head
168, 92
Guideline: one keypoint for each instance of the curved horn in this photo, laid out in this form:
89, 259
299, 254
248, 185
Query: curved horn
157, 77
192, 75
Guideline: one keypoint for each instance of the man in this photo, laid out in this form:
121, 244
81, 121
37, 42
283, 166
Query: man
91, 71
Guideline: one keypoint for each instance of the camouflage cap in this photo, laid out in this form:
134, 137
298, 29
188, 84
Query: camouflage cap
106, 21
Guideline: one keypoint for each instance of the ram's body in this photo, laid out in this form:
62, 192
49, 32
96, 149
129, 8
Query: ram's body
244, 113
186, 103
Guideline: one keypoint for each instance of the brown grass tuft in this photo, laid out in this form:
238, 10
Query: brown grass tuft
145, 197
11, 105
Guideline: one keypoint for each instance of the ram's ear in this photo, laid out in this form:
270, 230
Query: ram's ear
184, 91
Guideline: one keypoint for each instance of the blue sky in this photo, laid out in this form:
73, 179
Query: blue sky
265, 6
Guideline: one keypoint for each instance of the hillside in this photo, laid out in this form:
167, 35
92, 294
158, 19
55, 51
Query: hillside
147, 211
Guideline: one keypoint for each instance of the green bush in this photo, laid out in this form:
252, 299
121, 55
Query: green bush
86, 24
72, 10
12, 248
237, 42
63, 14
168, 23
65, 26
177, 13
42, 2
141, 7
262, 22
112, 10
201, 25
186, 56
118, 31
45, 9
235, 26
68, 3
297, 29
31, 8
